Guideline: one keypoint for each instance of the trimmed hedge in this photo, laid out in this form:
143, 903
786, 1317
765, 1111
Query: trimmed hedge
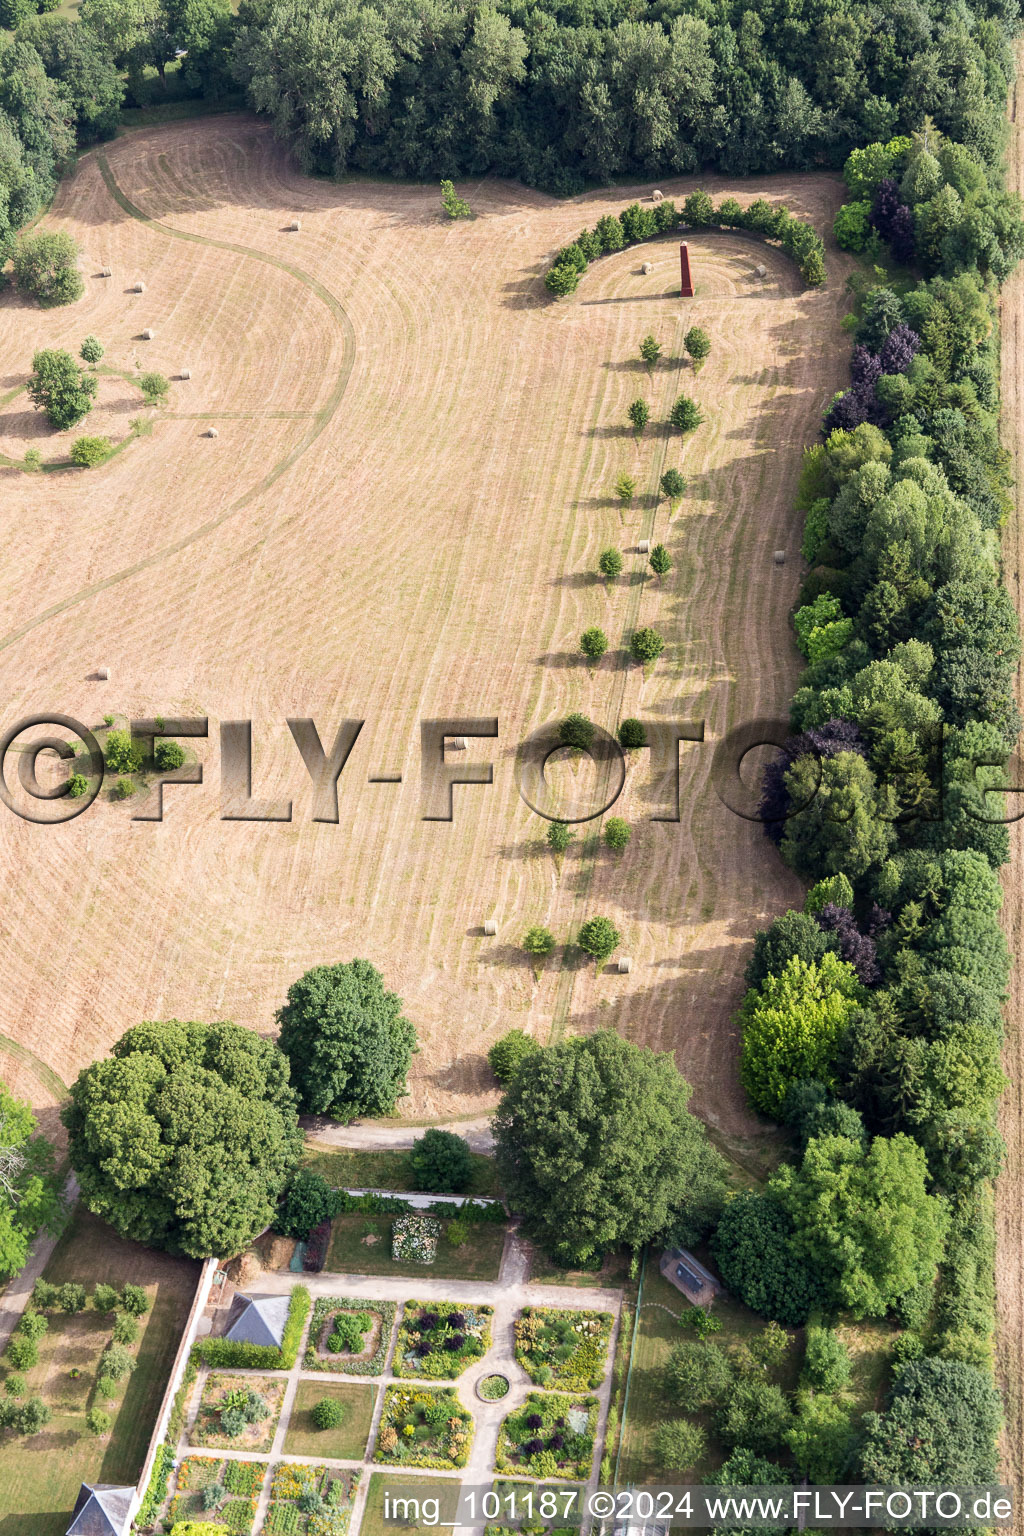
227, 1353
322, 1310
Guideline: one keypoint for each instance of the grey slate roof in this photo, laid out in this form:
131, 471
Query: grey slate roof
101, 1509
257, 1320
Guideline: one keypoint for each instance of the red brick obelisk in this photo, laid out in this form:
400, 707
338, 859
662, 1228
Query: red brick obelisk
685, 280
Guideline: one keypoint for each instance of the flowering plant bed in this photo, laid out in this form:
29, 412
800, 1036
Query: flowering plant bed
551, 1435
415, 1238
221, 1492
336, 1320
440, 1338
423, 1427
309, 1501
238, 1413
493, 1388
558, 1347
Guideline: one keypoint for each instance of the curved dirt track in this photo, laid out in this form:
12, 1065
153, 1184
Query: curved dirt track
1010, 1186
427, 549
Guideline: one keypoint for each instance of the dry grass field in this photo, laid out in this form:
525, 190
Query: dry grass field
400, 518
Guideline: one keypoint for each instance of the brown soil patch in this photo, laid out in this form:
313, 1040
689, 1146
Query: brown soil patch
275, 1252
428, 550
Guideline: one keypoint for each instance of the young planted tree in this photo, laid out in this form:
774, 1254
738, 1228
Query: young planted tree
58, 386
538, 941
672, 485
616, 833
507, 1055
639, 415
558, 837
168, 755
87, 452
452, 203
650, 350
698, 345
91, 351
122, 753
441, 1162
685, 414
625, 488
593, 643
577, 733
610, 564
154, 387
646, 645
661, 560
631, 734
598, 937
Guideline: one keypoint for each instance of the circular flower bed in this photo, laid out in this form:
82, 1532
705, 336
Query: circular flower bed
493, 1387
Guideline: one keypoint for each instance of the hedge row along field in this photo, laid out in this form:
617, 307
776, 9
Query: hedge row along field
616, 231
872, 1025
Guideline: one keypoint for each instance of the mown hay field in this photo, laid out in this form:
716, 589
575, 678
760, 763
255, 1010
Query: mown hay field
399, 518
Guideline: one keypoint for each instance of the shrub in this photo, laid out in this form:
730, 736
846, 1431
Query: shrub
616, 833
106, 1388
827, 1365
33, 1325
558, 836
154, 387
685, 414
134, 1300
58, 386
646, 645
44, 1294
650, 350
105, 1298
598, 936
632, 734
71, 1297
97, 1421
609, 563
14, 1384
46, 266
576, 732
123, 755
441, 1162
672, 484
91, 350
124, 788
507, 1054
625, 488
168, 755
328, 1413
679, 1445
33, 459
22, 1352
32, 1416
562, 280
126, 1329
593, 643
78, 785
452, 203
87, 452
456, 1234
117, 1362
698, 345
233, 1422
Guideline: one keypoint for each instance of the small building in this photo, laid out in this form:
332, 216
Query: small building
688, 1275
257, 1320
102, 1509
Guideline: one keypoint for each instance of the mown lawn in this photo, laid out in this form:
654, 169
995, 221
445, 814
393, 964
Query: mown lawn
354, 1168
345, 1443
443, 1488
40, 1475
479, 1258
613, 1272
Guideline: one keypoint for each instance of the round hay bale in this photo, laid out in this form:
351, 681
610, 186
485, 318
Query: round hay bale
139, 288
105, 272
148, 334
294, 226
625, 965
648, 266
780, 557
186, 373
212, 432
490, 928
762, 271
103, 673
657, 197
457, 743
643, 547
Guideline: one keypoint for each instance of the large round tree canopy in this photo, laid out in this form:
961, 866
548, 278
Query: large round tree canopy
184, 1137
597, 1147
347, 1042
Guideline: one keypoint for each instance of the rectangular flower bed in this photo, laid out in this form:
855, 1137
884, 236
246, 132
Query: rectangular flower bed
440, 1338
551, 1435
309, 1501
221, 1492
238, 1413
562, 1347
414, 1238
423, 1427
336, 1321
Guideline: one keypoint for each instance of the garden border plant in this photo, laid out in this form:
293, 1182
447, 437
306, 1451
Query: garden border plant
411, 1407
452, 1322
521, 1431
537, 1354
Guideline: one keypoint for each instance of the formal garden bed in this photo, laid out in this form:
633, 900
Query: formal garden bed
218, 1491
424, 1427
309, 1501
338, 1432
493, 1388
349, 1335
560, 1347
238, 1413
551, 1435
440, 1338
